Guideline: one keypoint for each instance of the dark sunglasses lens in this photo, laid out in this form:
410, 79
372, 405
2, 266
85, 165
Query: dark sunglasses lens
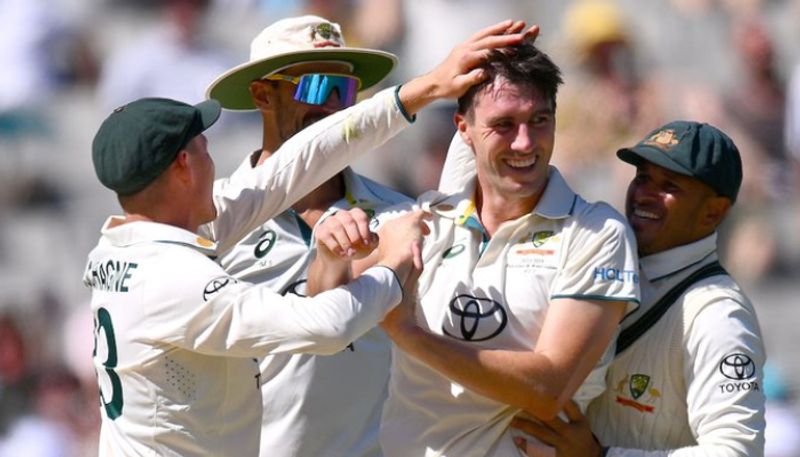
315, 89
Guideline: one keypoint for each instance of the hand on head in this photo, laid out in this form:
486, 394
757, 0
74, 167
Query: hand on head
459, 71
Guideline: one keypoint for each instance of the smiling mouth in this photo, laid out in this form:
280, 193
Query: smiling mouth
522, 162
642, 214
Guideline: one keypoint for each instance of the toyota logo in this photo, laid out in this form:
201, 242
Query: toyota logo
215, 285
296, 288
474, 319
737, 367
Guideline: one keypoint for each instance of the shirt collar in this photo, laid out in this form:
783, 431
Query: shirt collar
557, 202
666, 263
131, 233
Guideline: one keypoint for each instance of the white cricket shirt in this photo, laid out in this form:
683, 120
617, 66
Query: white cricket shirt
176, 340
177, 336
692, 385
316, 405
494, 293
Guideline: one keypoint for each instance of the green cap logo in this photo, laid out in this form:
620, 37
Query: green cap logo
664, 140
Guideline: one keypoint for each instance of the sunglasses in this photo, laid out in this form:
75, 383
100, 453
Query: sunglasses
315, 88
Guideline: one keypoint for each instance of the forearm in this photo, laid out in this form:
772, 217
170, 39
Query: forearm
255, 321
325, 275
304, 162
523, 379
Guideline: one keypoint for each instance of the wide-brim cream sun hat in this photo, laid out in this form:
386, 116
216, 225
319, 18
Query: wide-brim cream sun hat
292, 41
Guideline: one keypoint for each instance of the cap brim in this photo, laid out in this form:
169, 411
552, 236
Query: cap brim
209, 112
639, 153
232, 88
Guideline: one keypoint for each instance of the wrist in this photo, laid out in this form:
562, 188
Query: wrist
416, 94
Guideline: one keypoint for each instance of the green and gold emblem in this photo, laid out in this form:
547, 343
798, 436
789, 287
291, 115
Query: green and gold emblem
638, 385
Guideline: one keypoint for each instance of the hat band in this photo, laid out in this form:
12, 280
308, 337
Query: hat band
316, 88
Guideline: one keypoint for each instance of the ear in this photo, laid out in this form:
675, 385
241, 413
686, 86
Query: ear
716, 209
462, 125
181, 168
264, 94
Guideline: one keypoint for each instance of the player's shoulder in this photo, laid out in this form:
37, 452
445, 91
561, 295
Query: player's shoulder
599, 214
382, 193
719, 292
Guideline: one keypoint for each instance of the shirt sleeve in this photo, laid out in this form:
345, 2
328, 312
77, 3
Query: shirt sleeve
213, 313
600, 261
248, 199
459, 166
723, 365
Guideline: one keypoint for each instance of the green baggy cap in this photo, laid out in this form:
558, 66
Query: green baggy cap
138, 141
694, 149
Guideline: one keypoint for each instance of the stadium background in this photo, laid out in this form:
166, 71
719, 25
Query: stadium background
629, 66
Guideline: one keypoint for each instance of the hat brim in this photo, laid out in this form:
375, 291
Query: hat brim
232, 88
642, 153
209, 112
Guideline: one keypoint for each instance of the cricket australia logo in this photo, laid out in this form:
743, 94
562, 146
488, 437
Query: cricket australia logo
472, 318
664, 140
327, 33
539, 238
640, 394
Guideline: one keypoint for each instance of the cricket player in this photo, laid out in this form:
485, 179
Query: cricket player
176, 336
523, 285
688, 376
313, 405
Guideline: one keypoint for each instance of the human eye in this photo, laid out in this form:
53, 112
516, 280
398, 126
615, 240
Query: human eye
541, 119
503, 125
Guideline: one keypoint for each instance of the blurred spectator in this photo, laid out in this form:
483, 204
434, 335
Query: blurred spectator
757, 102
14, 379
27, 29
57, 422
755, 106
607, 101
783, 422
793, 114
170, 60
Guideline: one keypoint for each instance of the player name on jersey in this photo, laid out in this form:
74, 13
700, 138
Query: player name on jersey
109, 275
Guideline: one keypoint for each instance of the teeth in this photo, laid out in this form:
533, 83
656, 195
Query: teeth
644, 214
521, 163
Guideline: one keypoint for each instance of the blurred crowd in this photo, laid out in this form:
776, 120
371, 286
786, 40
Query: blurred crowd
629, 67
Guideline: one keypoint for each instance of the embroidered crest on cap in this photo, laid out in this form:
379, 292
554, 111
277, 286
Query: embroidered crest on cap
664, 140
326, 33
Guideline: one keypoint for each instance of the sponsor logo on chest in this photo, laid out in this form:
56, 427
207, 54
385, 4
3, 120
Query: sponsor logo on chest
535, 250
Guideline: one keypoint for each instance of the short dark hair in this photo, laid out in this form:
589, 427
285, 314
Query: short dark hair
523, 65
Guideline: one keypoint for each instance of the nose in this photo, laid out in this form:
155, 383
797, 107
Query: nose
333, 103
523, 139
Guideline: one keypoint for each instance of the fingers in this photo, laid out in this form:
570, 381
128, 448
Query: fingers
346, 232
542, 432
532, 33
416, 255
500, 27
515, 27
573, 412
